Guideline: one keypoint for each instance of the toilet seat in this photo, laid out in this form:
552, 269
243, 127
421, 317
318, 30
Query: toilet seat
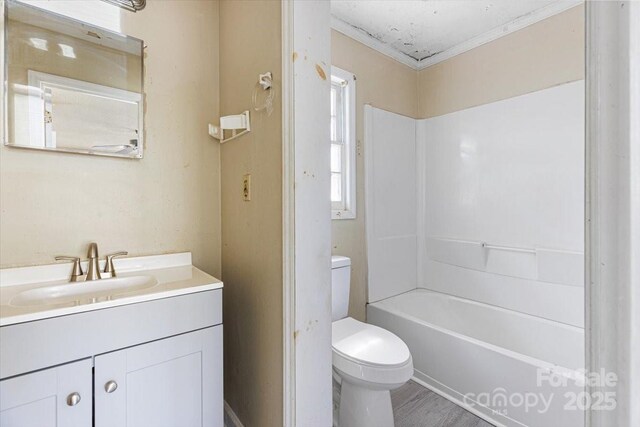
370, 355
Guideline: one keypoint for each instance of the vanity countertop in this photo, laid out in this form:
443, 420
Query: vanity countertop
174, 273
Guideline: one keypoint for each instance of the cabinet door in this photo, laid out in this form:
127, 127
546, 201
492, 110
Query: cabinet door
60, 397
172, 382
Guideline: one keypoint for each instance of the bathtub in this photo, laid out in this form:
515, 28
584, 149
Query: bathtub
509, 368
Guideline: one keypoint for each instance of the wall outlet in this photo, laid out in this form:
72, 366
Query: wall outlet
246, 187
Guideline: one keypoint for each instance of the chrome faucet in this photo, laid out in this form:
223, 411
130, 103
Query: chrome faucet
93, 272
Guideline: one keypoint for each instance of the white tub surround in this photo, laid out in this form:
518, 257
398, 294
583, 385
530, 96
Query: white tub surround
485, 203
173, 273
475, 239
390, 199
501, 203
149, 352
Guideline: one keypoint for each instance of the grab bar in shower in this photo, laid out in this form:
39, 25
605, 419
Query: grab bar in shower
508, 248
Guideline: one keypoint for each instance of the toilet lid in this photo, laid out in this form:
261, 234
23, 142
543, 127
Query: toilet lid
368, 344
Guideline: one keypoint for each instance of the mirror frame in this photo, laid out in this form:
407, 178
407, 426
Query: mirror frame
5, 78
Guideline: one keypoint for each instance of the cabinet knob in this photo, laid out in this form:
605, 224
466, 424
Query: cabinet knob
110, 386
73, 399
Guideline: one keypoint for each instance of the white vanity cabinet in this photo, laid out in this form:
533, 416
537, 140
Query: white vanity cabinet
172, 382
150, 358
53, 397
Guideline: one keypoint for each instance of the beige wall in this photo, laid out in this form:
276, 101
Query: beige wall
250, 43
383, 83
542, 55
56, 204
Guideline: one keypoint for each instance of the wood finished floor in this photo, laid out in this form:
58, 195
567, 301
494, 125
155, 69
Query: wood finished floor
416, 406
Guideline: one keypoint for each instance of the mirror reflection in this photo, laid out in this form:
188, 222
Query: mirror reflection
71, 86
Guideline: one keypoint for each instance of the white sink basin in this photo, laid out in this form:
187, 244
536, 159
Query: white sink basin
83, 292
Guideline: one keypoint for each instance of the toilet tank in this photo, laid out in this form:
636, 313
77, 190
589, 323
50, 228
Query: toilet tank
340, 285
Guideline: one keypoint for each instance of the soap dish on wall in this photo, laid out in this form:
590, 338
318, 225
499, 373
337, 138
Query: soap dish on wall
238, 124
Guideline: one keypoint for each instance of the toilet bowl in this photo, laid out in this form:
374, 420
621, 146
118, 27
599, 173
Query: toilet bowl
368, 361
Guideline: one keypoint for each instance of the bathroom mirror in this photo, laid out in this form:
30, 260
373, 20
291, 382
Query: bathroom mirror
71, 86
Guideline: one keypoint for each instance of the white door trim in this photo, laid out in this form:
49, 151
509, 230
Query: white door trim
288, 219
306, 40
613, 206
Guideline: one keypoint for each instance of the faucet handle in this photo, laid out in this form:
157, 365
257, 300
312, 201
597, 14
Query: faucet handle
76, 272
108, 265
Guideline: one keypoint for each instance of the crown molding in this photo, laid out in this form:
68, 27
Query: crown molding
501, 31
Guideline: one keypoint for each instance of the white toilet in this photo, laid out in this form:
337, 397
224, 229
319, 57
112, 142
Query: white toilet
368, 361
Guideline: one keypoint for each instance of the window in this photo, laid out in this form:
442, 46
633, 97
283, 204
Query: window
343, 144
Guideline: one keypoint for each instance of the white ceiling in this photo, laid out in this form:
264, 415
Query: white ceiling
419, 31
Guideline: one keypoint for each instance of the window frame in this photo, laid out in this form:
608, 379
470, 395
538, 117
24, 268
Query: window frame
348, 80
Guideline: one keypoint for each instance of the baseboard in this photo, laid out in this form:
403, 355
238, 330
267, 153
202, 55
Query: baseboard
477, 409
230, 417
